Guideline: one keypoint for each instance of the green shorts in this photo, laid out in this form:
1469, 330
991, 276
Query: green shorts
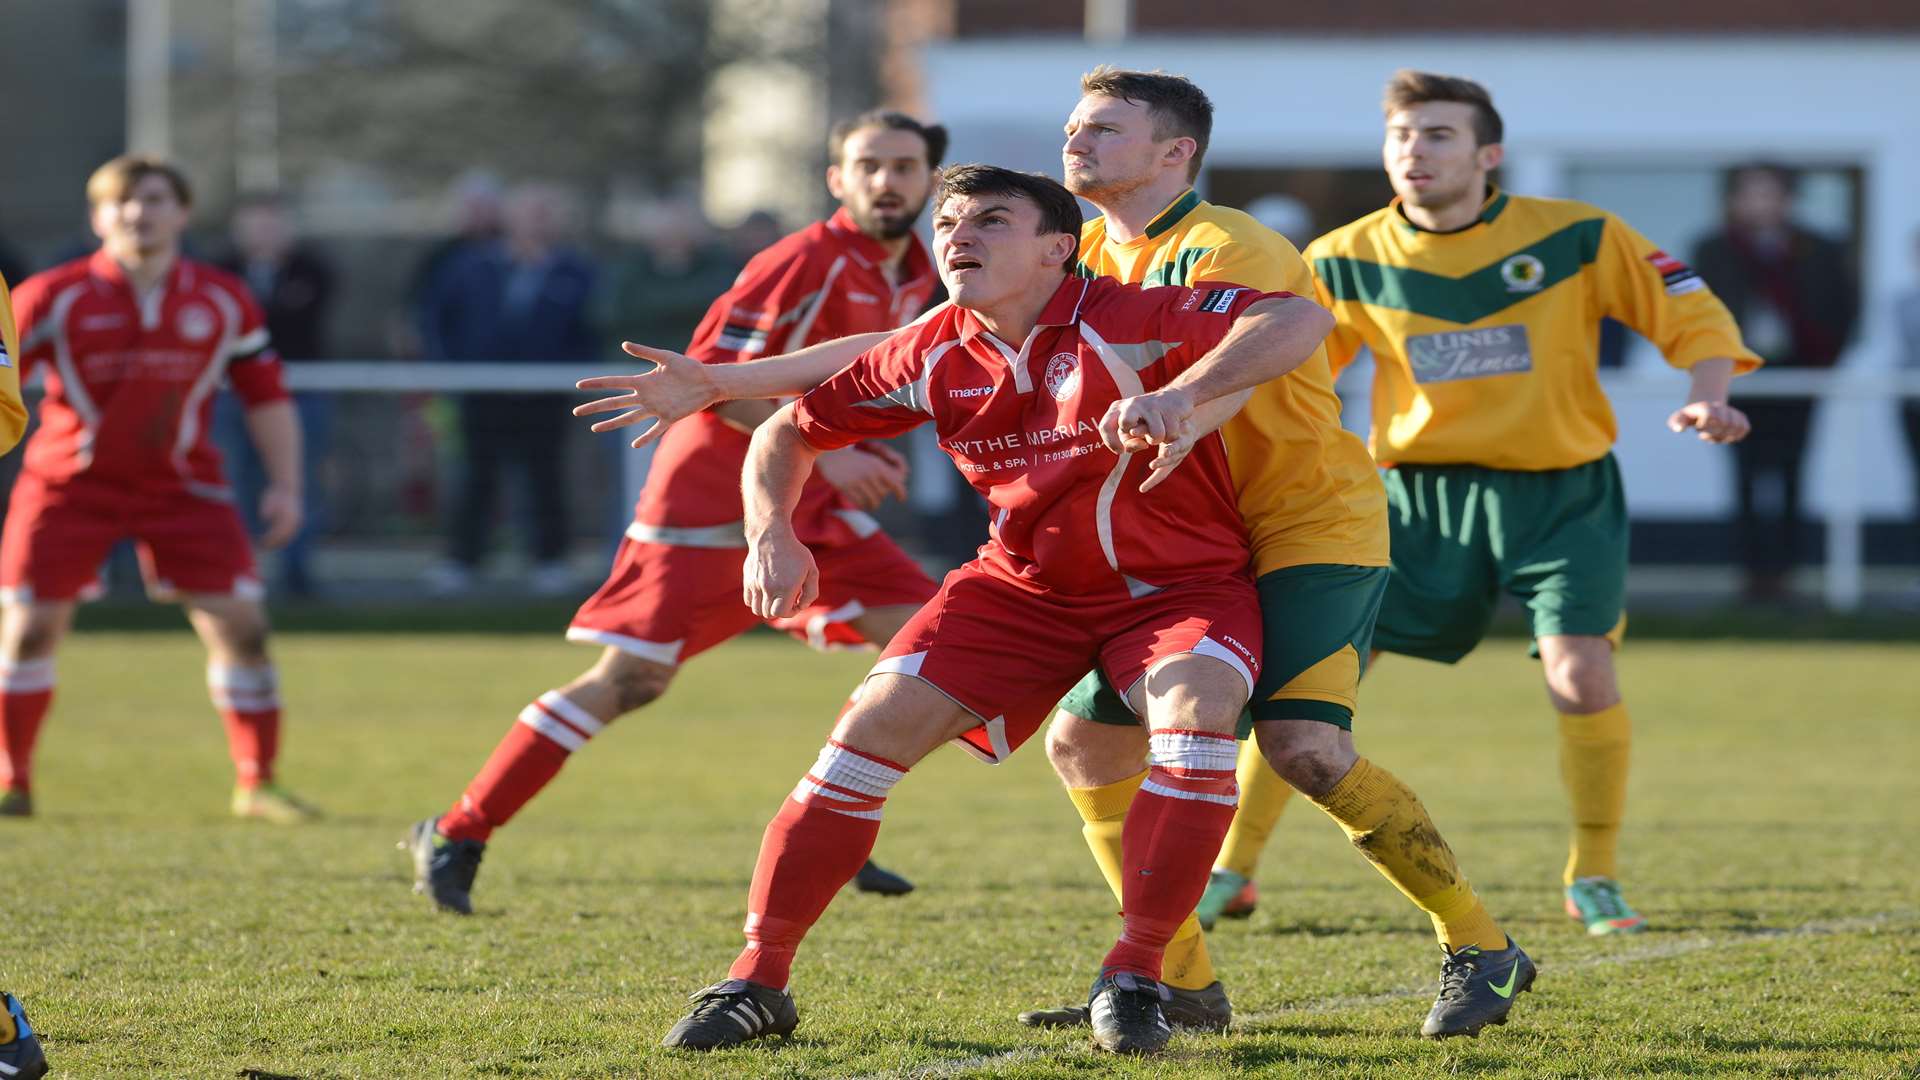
1318, 630
1462, 535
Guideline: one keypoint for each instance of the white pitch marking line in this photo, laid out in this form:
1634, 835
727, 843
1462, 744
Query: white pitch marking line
1647, 953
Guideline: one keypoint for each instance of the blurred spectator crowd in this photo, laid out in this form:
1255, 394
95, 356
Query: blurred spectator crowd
517, 276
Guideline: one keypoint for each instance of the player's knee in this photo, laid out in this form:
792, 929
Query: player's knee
1197, 693
37, 640
1087, 753
245, 642
1061, 750
636, 685
1581, 682
1311, 756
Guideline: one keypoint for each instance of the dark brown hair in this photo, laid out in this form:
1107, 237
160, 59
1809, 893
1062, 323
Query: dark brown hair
111, 182
1059, 210
1409, 87
933, 135
1178, 107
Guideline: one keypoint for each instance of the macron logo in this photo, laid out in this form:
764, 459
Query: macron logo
970, 391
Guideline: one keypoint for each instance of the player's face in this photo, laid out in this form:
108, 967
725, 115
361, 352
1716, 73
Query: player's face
990, 249
1110, 149
883, 180
146, 221
1432, 156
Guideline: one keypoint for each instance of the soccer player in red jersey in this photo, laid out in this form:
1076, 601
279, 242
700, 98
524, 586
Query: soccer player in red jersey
1081, 569
674, 590
135, 339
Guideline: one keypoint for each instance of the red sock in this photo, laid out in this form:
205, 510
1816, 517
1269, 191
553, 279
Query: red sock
814, 845
1173, 831
26, 691
248, 699
527, 759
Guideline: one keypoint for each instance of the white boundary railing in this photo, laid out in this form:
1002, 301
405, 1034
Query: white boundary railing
1848, 392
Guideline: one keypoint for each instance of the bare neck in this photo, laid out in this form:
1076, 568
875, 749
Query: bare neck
895, 264
1129, 214
145, 270
1013, 319
1452, 217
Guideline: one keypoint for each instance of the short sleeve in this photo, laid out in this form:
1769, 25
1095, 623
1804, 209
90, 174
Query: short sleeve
1174, 327
1666, 301
771, 309
1344, 343
880, 395
33, 329
1270, 264
13, 414
252, 364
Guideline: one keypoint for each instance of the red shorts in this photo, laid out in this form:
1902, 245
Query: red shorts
1008, 655
668, 603
57, 535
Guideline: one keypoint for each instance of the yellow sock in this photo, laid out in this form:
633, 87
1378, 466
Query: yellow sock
1593, 765
1186, 963
1384, 819
1263, 795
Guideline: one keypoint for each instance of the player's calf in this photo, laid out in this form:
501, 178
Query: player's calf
816, 843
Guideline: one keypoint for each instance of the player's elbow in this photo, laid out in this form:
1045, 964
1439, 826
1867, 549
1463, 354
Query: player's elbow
1295, 323
1308, 320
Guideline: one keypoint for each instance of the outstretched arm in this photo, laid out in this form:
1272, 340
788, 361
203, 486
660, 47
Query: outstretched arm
780, 577
679, 386
1269, 339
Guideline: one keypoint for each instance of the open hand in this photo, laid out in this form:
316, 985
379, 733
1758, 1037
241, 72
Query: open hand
676, 388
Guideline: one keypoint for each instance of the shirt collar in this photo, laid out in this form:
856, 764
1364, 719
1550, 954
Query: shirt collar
1182, 205
108, 269
1063, 309
1496, 202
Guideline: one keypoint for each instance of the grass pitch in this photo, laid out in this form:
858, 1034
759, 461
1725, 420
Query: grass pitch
1770, 841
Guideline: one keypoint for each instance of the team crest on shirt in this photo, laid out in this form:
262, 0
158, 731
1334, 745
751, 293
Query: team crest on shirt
1063, 375
194, 322
1523, 273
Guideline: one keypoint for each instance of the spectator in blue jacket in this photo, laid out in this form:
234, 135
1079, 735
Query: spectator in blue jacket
522, 299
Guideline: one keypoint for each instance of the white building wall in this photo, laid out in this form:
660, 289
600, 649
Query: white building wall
1575, 109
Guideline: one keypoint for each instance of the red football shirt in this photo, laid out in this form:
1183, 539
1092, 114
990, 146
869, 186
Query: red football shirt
823, 282
1021, 424
130, 379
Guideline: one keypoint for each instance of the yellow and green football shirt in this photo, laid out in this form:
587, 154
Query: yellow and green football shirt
1306, 487
13, 414
1486, 339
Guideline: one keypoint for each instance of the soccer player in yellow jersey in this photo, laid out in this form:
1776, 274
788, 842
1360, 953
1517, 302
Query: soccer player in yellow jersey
1314, 508
20, 1051
13, 414
1482, 311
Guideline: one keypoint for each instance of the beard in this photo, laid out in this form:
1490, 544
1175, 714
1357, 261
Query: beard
1099, 189
1438, 198
887, 224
